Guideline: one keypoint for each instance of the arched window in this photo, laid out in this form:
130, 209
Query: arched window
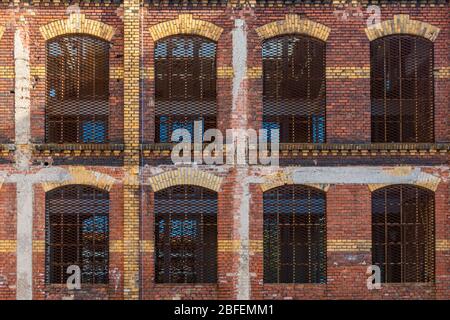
402, 92
294, 235
294, 88
185, 85
186, 235
77, 109
403, 233
77, 233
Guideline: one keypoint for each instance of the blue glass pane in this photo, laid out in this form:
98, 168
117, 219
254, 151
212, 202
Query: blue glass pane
93, 131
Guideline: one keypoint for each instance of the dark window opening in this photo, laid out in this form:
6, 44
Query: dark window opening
185, 84
77, 109
294, 235
294, 88
403, 233
186, 235
77, 233
402, 92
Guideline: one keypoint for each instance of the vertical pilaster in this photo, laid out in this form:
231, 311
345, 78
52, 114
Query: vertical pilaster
131, 138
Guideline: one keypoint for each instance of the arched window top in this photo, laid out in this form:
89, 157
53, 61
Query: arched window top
403, 233
402, 89
185, 235
77, 233
294, 88
77, 109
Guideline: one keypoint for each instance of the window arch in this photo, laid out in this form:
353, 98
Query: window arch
77, 109
294, 88
77, 233
186, 235
185, 84
402, 89
294, 235
403, 233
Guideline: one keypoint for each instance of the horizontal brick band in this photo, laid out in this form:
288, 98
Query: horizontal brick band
186, 24
38, 71
345, 245
225, 72
442, 245
402, 24
7, 72
348, 72
8, 246
39, 246
77, 23
442, 73
185, 176
294, 24
2, 30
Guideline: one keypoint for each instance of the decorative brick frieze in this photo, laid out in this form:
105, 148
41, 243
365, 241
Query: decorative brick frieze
346, 245
348, 72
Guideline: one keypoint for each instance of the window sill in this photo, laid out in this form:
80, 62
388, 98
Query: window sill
79, 149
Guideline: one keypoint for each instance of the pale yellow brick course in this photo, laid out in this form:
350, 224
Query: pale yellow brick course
402, 24
348, 72
442, 245
442, 73
8, 246
343, 245
2, 30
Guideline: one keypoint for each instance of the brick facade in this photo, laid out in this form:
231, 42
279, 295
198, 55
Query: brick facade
131, 167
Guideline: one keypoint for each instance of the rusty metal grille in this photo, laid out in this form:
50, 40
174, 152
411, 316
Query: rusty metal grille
294, 235
186, 235
294, 88
77, 233
77, 107
185, 84
403, 233
402, 92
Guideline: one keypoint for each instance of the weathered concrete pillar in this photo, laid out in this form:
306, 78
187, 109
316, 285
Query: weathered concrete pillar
241, 193
22, 156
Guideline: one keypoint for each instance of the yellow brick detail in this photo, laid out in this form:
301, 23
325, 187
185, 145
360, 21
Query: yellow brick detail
186, 24
38, 71
8, 246
39, 246
225, 72
228, 245
402, 24
80, 175
349, 245
294, 24
147, 246
2, 30
442, 245
185, 176
116, 246
348, 72
77, 23
254, 73
442, 73
7, 72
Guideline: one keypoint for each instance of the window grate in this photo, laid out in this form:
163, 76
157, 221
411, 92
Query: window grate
185, 84
77, 109
403, 233
294, 88
294, 235
402, 92
77, 233
186, 235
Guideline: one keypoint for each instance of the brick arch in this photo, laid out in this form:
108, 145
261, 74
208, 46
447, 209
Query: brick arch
293, 24
2, 30
282, 178
76, 24
185, 24
80, 175
185, 176
429, 185
402, 24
